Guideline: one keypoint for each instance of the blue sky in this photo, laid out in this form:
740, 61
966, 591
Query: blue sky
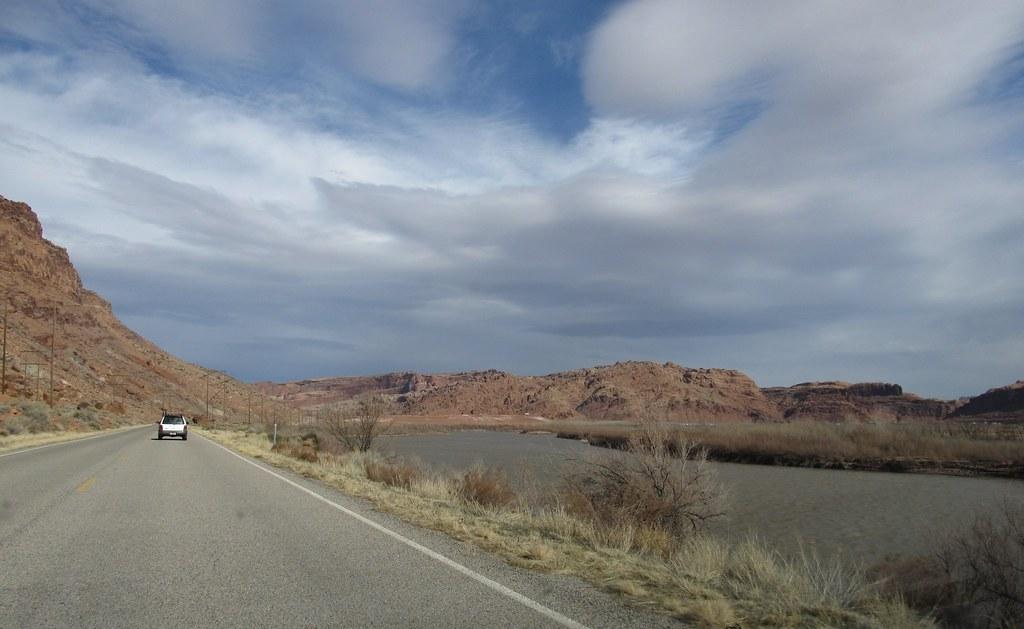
287, 190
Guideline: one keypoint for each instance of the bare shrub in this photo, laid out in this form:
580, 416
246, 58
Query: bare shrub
357, 428
987, 564
660, 482
486, 487
87, 415
36, 416
393, 474
12, 426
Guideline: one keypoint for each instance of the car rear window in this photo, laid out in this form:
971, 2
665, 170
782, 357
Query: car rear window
173, 420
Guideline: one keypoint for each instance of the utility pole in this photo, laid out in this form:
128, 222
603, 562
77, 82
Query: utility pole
248, 411
118, 379
53, 350
3, 355
33, 382
206, 378
207, 414
34, 387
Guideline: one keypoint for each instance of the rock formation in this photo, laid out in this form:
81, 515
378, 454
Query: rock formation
96, 358
1001, 403
865, 401
627, 390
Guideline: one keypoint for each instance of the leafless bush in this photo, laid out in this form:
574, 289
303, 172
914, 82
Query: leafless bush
357, 428
660, 482
987, 564
485, 487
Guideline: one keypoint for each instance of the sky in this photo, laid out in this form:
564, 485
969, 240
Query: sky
285, 190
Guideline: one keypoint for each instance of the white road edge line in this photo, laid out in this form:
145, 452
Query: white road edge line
70, 441
565, 621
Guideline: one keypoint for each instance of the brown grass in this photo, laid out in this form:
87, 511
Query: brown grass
941, 446
702, 580
486, 487
400, 474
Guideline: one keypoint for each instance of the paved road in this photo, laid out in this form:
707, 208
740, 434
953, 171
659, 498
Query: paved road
127, 531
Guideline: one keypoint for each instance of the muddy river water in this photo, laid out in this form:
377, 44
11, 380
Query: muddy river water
860, 515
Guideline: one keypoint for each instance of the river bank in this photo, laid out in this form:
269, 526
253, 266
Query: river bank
947, 448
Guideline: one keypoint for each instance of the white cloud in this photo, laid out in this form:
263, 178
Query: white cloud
865, 204
839, 59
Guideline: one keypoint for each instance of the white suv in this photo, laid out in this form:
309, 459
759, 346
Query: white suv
172, 426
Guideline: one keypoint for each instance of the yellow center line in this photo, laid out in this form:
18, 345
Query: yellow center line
86, 484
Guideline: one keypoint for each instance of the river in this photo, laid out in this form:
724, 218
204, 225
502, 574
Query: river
858, 515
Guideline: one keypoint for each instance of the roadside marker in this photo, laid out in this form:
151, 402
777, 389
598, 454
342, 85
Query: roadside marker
563, 620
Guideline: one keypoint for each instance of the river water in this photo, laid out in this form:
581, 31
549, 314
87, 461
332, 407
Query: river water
862, 516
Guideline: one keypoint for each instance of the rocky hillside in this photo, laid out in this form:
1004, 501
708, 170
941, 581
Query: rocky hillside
1001, 403
97, 360
865, 401
319, 392
621, 391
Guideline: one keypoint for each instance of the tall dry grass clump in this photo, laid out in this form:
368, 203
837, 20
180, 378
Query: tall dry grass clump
394, 474
486, 487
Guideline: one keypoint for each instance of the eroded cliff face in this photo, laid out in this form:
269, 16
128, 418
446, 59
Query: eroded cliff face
865, 401
1000, 403
628, 390
96, 358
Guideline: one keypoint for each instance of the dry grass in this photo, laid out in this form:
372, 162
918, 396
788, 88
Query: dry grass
28, 440
890, 446
398, 474
486, 487
702, 580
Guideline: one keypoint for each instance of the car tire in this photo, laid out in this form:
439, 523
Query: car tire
160, 437
184, 437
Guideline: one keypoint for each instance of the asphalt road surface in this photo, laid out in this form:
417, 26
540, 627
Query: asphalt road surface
123, 530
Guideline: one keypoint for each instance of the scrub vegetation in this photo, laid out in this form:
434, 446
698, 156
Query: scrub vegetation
25, 423
634, 528
937, 447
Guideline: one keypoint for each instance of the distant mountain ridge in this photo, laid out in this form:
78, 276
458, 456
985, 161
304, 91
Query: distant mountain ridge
97, 359
624, 390
630, 390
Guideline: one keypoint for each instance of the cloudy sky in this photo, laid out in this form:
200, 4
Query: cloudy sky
282, 189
